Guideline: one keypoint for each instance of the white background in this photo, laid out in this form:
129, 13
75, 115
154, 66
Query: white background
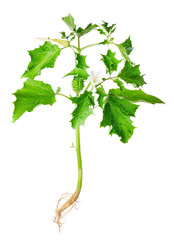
128, 189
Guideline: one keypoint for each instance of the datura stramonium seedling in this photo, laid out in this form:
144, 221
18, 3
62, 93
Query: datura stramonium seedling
118, 104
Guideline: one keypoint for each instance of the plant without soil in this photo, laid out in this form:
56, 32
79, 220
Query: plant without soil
118, 104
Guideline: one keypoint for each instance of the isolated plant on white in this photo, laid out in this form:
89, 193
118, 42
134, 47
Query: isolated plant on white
118, 105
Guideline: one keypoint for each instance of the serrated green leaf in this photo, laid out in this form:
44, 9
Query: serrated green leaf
69, 20
80, 31
101, 31
127, 45
70, 37
116, 114
101, 92
79, 72
124, 53
131, 74
31, 95
81, 61
110, 61
42, 57
80, 69
135, 95
108, 29
83, 108
119, 83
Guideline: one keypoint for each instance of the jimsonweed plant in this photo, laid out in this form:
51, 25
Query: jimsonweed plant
118, 104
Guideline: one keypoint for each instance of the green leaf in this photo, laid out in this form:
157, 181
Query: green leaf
127, 45
80, 31
31, 95
102, 95
70, 37
124, 53
108, 29
81, 61
83, 108
101, 31
116, 114
110, 61
131, 74
42, 57
69, 20
119, 83
80, 69
135, 95
79, 72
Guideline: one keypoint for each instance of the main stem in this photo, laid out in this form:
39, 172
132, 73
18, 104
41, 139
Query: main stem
71, 202
79, 160
78, 151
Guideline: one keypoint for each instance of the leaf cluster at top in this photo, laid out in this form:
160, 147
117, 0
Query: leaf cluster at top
118, 104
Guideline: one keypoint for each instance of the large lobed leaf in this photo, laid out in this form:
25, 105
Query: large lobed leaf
83, 108
31, 95
116, 114
42, 57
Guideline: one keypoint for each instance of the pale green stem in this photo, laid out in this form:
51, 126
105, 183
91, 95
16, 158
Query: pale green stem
79, 160
78, 151
90, 45
63, 95
87, 86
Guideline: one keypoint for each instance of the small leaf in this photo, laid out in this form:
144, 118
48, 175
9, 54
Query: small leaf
123, 52
42, 57
79, 72
116, 114
101, 31
70, 37
59, 41
135, 95
69, 20
80, 31
110, 62
80, 69
102, 95
31, 95
81, 61
108, 29
131, 74
127, 45
58, 90
83, 108
119, 83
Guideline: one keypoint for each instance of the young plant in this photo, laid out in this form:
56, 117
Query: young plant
118, 104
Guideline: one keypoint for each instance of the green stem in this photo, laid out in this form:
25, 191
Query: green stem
63, 95
79, 160
78, 151
79, 49
90, 45
87, 86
